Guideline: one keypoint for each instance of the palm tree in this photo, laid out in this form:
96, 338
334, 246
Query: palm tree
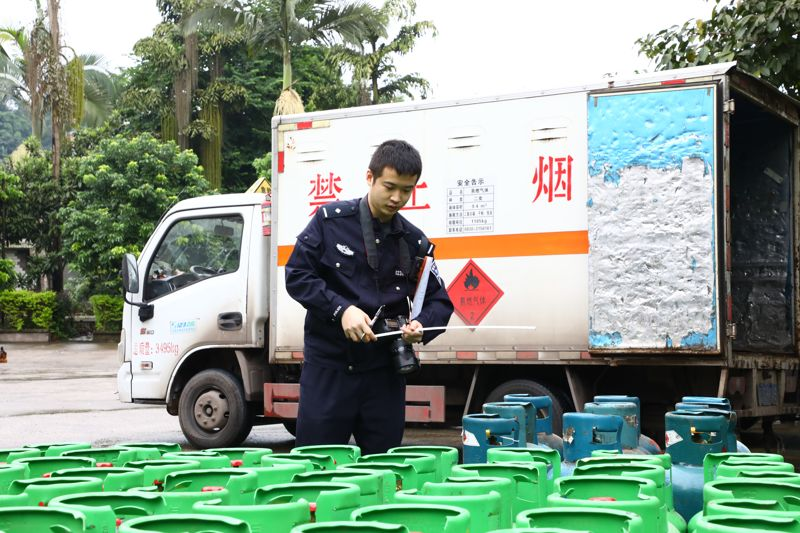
22, 74
22, 64
376, 66
285, 24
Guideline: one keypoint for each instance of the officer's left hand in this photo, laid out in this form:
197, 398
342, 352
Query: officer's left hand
412, 332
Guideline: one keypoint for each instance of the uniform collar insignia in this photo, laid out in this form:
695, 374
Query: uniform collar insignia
344, 249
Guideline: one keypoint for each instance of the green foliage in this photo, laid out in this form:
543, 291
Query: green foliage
126, 186
14, 128
761, 35
8, 276
107, 311
263, 166
10, 197
373, 60
34, 218
27, 309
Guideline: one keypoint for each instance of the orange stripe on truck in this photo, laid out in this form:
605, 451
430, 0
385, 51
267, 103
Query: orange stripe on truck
517, 245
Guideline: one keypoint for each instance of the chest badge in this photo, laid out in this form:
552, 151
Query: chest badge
344, 249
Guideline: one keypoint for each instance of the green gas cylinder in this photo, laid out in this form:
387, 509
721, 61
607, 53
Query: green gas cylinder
635, 495
317, 461
711, 461
111, 456
54, 449
104, 510
376, 486
114, 479
183, 523
242, 457
327, 501
39, 491
40, 466
162, 447
421, 518
240, 483
531, 486
155, 470
593, 519
12, 472
746, 524
206, 458
405, 475
351, 527
446, 457
487, 500
425, 464
745, 507
342, 454
512, 455
277, 473
264, 518
30, 519
7, 455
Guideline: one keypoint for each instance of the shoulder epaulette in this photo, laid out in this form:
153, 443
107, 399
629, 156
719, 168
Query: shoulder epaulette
339, 209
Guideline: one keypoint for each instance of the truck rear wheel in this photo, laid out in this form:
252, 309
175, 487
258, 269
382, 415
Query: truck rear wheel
561, 402
212, 410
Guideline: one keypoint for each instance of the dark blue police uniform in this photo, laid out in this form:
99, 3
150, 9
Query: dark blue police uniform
346, 387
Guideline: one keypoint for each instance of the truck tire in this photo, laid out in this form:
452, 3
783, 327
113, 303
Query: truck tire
561, 402
212, 410
291, 426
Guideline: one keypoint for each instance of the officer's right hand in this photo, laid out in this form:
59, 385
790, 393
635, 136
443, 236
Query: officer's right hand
355, 324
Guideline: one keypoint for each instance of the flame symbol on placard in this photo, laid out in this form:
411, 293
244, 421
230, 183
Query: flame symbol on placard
472, 281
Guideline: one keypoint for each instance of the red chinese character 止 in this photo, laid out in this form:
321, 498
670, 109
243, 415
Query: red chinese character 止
413, 203
324, 190
550, 167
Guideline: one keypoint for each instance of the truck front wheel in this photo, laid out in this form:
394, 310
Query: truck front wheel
212, 410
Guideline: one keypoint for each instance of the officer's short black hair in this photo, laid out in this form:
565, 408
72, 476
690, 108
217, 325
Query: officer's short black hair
399, 155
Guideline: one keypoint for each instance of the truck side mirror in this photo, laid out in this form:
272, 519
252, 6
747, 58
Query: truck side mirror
130, 281
130, 274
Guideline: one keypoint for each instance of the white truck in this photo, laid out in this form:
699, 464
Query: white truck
646, 227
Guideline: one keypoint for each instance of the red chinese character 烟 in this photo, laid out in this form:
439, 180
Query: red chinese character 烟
553, 177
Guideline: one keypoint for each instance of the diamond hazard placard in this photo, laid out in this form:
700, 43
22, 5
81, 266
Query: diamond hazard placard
473, 294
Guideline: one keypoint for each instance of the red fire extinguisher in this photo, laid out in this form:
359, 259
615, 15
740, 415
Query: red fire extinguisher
266, 216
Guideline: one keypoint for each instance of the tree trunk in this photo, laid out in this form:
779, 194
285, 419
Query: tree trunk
183, 106
56, 90
374, 77
287, 65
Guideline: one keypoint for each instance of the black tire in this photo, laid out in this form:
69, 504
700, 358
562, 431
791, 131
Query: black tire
212, 410
561, 402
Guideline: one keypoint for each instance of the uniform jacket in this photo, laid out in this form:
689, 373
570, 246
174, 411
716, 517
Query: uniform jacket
328, 271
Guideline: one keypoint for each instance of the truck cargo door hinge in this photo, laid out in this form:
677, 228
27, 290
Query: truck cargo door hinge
730, 330
729, 106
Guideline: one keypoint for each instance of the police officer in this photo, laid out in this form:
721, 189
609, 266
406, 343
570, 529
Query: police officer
355, 264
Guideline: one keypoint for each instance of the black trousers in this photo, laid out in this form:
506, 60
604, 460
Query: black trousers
334, 405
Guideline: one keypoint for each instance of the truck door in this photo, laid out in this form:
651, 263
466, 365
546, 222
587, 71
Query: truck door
652, 215
195, 278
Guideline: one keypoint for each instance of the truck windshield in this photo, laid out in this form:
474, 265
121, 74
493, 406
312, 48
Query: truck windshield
193, 250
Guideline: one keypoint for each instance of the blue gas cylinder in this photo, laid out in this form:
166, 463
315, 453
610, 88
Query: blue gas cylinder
644, 443
722, 404
543, 432
630, 425
482, 432
585, 433
522, 412
689, 436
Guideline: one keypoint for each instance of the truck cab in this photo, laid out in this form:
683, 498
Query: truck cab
198, 315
